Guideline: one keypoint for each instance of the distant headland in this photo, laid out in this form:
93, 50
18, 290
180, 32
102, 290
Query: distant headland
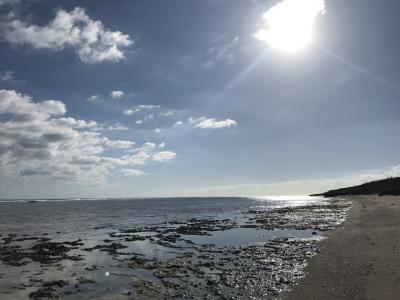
389, 186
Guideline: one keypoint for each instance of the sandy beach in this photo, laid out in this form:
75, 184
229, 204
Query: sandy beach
361, 260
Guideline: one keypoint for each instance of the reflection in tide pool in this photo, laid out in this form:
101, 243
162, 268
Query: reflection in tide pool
247, 236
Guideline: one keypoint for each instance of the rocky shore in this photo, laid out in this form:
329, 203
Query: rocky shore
170, 260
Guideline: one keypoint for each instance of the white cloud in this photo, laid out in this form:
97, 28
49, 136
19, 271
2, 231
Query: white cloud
148, 106
163, 156
148, 146
36, 139
145, 114
128, 112
132, 172
117, 127
178, 123
92, 42
157, 130
92, 125
118, 144
140, 108
117, 94
211, 123
94, 99
75, 124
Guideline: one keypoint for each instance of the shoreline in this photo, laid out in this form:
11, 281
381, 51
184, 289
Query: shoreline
359, 260
254, 251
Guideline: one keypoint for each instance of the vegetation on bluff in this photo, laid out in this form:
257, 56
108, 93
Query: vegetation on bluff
389, 186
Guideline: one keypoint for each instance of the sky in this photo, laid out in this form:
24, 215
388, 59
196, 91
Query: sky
195, 98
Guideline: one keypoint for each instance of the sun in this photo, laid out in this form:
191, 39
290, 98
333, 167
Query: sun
290, 24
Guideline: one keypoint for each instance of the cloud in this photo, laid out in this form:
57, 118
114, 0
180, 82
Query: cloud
118, 144
94, 99
223, 50
7, 76
140, 108
3, 2
37, 139
117, 94
167, 114
144, 113
128, 112
290, 187
97, 98
149, 146
211, 123
178, 123
117, 127
163, 156
92, 125
92, 42
73, 123
132, 172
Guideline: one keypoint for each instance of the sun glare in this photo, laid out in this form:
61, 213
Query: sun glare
290, 24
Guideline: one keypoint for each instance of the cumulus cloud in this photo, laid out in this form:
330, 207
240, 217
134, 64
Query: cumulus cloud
117, 94
128, 112
37, 139
211, 123
75, 29
163, 156
118, 144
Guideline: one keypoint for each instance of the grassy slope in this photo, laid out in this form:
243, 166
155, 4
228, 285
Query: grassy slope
390, 186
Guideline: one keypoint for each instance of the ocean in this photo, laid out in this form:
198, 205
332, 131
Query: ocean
156, 248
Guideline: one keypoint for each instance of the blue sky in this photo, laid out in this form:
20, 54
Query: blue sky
163, 98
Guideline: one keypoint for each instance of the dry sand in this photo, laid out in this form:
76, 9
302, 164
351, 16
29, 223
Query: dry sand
362, 259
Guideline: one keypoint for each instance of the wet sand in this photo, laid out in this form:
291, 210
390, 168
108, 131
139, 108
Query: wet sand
361, 260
